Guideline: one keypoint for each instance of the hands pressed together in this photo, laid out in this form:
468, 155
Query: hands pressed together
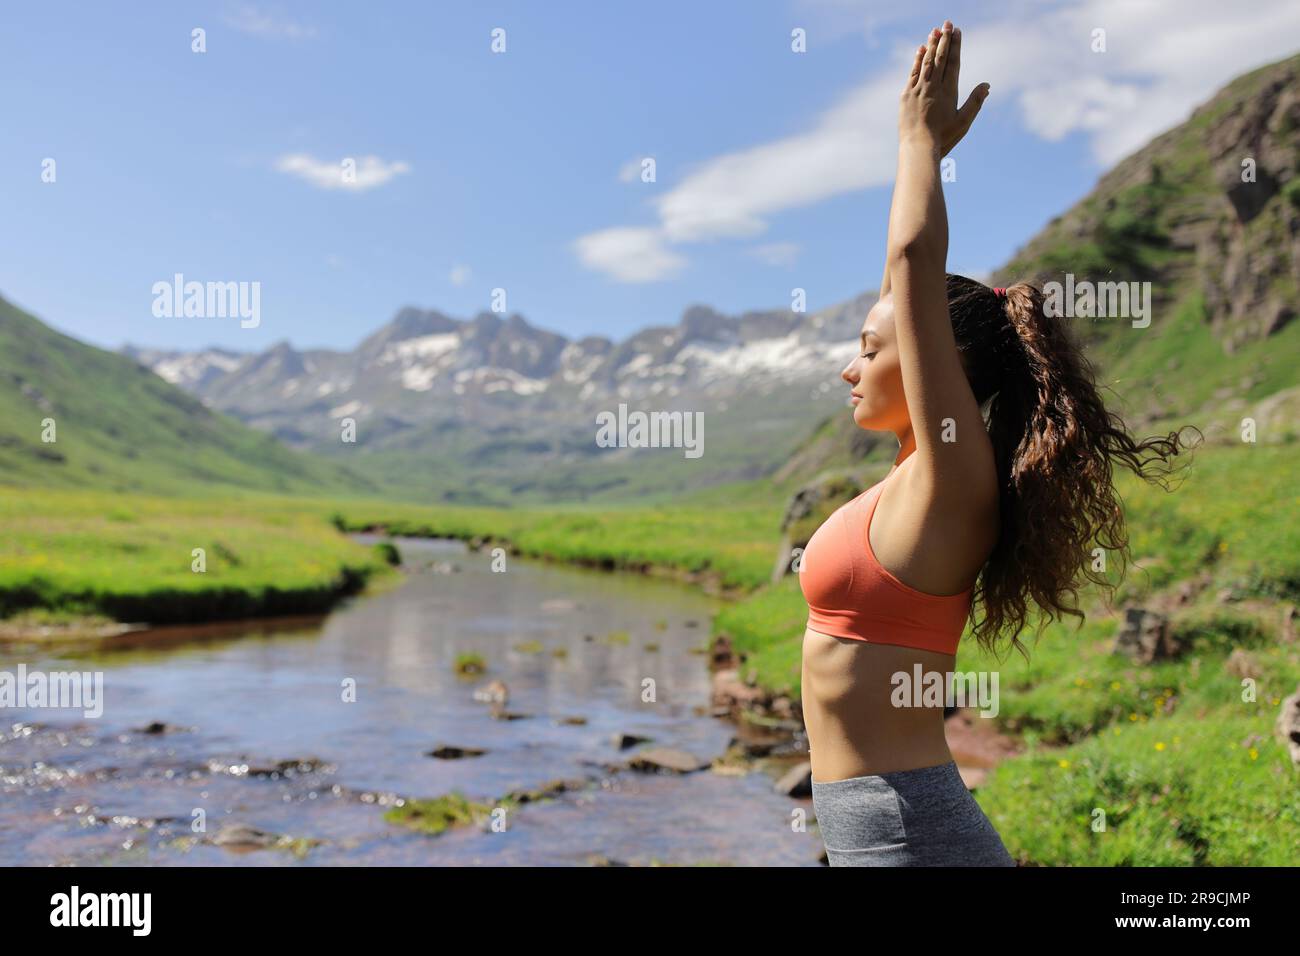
927, 112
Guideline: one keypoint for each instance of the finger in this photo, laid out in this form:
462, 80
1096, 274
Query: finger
927, 65
941, 51
954, 56
970, 109
916, 66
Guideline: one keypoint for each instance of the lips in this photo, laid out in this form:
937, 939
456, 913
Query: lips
854, 398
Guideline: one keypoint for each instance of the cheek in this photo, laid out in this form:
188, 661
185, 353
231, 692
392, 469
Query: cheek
883, 377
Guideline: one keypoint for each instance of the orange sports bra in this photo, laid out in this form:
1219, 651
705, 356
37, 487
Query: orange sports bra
851, 595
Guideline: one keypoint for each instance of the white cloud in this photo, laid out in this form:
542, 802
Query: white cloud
776, 253
733, 195
629, 254
365, 172
249, 19
460, 274
630, 172
1162, 59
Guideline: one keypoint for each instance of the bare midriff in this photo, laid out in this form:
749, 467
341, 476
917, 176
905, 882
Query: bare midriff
854, 728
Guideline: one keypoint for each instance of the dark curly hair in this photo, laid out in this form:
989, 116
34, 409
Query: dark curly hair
1054, 440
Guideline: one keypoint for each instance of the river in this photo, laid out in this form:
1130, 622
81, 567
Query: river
261, 730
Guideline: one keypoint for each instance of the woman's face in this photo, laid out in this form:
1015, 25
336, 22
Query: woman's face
875, 376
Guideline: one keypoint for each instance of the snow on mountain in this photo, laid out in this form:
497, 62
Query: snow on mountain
189, 370
426, 382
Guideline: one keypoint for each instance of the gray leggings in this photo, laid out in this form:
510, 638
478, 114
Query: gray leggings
921, 817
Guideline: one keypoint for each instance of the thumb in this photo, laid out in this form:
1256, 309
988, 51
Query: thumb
966, 115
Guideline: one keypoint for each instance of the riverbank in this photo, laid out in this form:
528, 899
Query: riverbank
723, 540
92, 561
87, 561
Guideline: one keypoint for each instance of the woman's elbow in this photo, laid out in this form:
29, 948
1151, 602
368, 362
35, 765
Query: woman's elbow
919, 250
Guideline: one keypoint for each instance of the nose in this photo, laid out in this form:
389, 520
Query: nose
850, 373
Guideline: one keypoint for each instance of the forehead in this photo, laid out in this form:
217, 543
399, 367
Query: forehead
879, 320
877, 324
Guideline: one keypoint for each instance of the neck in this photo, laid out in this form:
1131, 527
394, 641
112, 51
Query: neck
906, 444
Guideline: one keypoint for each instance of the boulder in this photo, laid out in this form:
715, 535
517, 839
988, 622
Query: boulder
242, 836
1145, 636
666, 760
1288, 726
797, 781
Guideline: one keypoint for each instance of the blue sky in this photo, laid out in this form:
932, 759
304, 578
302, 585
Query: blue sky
509, 170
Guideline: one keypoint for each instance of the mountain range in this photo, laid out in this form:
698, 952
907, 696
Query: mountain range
491, 409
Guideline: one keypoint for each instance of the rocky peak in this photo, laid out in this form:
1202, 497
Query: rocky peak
1208, 212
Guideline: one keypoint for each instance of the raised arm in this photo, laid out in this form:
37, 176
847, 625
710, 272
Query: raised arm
965, 116
939, 400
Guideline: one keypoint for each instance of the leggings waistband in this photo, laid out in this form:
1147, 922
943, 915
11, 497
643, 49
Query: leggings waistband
895, 777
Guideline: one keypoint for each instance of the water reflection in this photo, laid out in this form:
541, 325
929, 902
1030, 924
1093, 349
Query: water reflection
568, 643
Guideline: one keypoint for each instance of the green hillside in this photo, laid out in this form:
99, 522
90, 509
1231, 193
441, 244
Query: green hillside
1209, 214
119, 427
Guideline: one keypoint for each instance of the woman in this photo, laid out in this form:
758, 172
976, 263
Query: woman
994, 514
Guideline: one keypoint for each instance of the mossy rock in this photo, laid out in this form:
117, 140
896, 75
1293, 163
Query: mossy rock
439, 814
388, 553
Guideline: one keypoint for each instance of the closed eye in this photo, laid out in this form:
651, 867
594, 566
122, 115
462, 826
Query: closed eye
868, 355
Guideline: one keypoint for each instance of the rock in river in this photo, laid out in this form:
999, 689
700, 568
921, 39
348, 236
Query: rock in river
797, 781
449, 752
669, 759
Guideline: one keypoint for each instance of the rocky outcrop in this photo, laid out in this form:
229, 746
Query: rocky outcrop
1288, 726
1209, 214
1145, 636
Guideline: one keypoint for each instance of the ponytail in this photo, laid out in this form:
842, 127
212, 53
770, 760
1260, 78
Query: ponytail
1054, 440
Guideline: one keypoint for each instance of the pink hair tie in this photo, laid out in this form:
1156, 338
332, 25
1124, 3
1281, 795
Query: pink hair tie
999, 291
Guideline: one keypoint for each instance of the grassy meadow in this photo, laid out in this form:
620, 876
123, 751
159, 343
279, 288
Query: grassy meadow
129, 557
69, 554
